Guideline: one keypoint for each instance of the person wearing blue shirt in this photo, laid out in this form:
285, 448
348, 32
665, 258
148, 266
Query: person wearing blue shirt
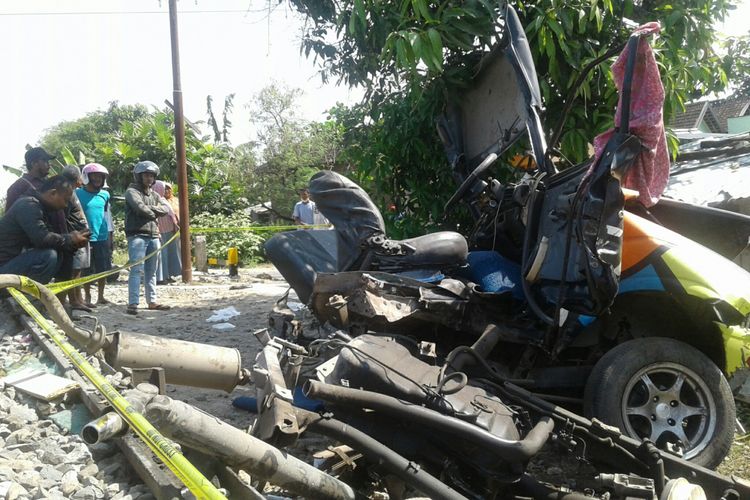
95, 202
304, 210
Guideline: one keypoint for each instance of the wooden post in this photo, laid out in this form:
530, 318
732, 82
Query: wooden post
179, 137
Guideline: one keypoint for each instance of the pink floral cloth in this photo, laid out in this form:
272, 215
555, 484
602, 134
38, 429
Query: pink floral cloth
649, 172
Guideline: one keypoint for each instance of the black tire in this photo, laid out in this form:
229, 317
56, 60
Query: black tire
667, 391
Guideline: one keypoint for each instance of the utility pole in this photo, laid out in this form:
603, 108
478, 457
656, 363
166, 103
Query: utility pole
179, 137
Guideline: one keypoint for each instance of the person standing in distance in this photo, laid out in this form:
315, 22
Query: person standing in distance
95, 202
169, 264
304, 210
142, 208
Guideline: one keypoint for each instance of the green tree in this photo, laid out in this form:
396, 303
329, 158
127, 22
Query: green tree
83, 134
290, 149
738, 60
121, 136
407, 54
221, 134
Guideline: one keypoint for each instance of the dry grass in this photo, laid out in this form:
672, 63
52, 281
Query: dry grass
738, 461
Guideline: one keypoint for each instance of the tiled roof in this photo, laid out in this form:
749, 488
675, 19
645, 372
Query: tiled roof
713, 113
714, 124
691, 117
729, 108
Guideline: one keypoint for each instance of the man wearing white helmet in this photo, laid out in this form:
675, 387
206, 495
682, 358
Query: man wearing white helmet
142, 208
95, 202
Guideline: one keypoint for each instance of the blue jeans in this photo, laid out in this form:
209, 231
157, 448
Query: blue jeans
39, 264
138, 248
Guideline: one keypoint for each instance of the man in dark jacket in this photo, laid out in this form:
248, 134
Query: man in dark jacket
28, 245
37, 166
142, 207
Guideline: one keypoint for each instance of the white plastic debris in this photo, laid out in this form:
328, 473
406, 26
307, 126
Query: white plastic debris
221, 315
223, 326
295, 306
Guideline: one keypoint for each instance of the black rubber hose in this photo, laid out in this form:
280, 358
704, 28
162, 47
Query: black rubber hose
508, 450
453, 355
378, 453
539, 491
525, 254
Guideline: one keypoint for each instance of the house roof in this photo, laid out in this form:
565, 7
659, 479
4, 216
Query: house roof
712, 180
691, 117
714, 113
729, 108
713, 122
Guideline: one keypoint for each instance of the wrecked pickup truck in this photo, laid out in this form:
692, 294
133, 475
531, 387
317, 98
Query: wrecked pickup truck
562, 285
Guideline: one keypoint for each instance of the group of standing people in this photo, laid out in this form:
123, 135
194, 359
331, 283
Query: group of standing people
61, 228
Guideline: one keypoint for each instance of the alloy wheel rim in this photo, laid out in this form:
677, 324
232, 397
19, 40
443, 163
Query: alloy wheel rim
672, 406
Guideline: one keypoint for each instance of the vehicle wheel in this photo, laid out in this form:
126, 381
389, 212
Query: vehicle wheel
668, 392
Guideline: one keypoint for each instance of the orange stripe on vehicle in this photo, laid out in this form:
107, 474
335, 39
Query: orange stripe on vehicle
637, 244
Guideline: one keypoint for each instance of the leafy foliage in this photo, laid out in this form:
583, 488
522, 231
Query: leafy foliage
738, 59
408, 53
290, 149
83, 134
220, 134
249, 244
133, 133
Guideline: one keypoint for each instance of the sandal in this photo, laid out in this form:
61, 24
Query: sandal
132, 309
80, 307
159, 307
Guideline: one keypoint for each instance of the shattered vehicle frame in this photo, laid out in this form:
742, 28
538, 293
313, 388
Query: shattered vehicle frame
582, 293
450, 431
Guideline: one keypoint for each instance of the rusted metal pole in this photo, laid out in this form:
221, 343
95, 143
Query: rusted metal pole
179, 136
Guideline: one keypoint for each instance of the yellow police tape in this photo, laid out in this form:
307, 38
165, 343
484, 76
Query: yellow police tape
67, 285
162, 447
62, 286
256, 229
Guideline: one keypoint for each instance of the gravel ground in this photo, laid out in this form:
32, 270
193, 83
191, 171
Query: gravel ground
39, 455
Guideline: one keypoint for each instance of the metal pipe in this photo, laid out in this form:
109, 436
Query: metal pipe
481, 347
185, 363
380, 454
508, 450
111, 424
91, 341
179, 139
103, 428
199, 430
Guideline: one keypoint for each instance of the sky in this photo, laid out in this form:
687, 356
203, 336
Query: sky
65, 58
61, 63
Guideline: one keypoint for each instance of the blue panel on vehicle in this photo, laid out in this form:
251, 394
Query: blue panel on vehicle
250, 403
423, 275
494, 273
586, 320
645, 279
